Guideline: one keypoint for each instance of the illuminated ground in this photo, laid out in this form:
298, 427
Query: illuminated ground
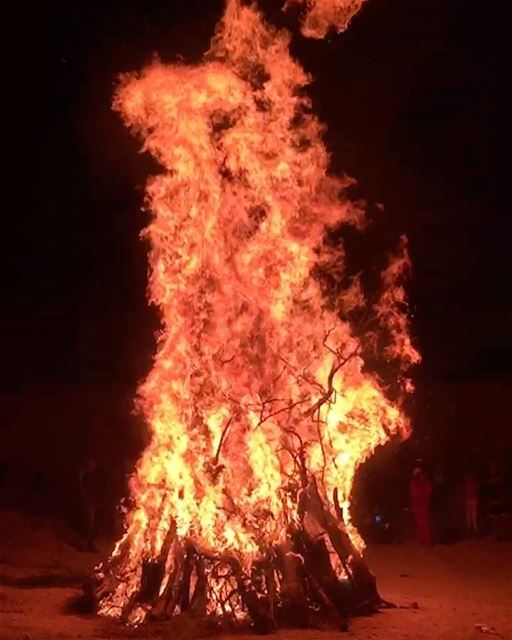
456, 588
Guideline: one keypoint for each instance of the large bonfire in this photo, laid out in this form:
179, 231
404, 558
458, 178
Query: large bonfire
259, 403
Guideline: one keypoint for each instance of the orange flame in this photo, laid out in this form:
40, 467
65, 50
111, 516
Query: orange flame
322, 15
253, 367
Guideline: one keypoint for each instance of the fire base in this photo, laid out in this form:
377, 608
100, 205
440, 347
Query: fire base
293, 584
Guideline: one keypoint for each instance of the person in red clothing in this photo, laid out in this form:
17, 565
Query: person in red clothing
420, 491
471, 495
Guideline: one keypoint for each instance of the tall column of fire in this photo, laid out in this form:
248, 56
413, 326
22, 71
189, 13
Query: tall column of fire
258, 379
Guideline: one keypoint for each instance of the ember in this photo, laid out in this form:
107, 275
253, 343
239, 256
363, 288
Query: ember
259, 403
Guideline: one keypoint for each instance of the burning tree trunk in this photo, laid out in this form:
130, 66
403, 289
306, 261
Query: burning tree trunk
259, 403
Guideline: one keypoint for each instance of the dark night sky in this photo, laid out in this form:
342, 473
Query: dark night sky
410, 94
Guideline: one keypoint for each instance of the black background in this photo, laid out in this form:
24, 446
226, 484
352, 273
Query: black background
411, 95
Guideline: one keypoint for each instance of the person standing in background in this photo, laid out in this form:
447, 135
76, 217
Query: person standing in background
91, 487
471, 500
494, 497
420, 490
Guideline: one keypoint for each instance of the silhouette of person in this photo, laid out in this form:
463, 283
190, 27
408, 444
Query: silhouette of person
420, 489
471, 500
91, 487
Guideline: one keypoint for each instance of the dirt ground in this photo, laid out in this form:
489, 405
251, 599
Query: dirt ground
461, 591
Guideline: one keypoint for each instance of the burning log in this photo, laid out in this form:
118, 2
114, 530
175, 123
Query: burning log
364, 594
293, 600
322, 577
258, 607
169, 598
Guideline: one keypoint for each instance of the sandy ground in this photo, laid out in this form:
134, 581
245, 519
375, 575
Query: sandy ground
462, 591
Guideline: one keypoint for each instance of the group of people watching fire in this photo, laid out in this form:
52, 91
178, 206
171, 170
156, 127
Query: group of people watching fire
480, 499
